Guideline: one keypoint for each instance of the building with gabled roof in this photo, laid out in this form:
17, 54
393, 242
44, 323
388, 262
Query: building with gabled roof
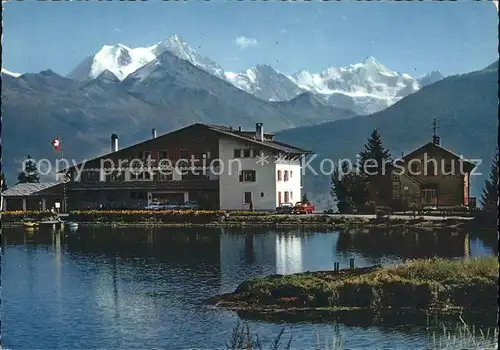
430, 176
218, 167
32, 196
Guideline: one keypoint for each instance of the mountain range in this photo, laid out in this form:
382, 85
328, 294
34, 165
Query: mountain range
168, 85
166, 93
364, 88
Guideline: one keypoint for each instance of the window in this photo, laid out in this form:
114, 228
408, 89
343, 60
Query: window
285, 176
165, 176
147, 155
145, 175
237, 153
88, 197
138, 195
448, 168
183, 153
431, 169
207, 155
291, 196
162, 155
248, 197
194, 176
256, 152
247, 176
246, 153
279, 175
414, 168
279, 197
115, 176
291, 174
90, 176
429, 195
287, 199
261, 194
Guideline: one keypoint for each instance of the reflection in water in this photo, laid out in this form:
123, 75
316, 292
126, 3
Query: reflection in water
288, 254
117, 288
376, 244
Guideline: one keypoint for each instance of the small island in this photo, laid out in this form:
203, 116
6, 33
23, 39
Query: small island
439, 285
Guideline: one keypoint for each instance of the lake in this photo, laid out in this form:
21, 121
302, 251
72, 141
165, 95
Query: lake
144, 288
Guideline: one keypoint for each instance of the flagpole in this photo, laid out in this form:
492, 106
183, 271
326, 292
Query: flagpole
64, 178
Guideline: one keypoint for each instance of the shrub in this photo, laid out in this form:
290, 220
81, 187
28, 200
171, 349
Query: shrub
18, 216
162, 216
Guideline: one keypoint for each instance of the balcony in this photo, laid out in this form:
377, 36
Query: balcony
144, 185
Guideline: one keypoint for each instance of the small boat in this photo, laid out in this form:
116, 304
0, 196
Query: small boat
71, 224
30, 224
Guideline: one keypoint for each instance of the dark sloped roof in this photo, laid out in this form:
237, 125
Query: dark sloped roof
470, 164
28, 189
249, 137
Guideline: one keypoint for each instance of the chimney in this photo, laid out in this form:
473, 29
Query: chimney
435, 140
259, 132
114, 143
154, 133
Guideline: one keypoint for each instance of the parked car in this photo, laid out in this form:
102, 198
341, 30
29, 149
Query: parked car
285, 208
303, 208
383, 210
190, 205
154, 206
171, 206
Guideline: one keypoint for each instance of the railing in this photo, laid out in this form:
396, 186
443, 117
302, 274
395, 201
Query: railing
145, 184
145, 162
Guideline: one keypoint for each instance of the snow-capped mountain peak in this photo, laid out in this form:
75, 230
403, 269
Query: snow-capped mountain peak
367, 86
15, 75
179, 47
430, 78
122, 60
264, 82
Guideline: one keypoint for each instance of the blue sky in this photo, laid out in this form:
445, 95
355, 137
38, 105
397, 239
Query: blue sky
409, 37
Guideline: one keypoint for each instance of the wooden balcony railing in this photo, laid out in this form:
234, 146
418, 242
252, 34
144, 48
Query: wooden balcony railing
145, 185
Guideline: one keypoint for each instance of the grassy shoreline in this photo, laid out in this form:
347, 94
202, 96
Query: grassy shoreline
173, 218
446, 286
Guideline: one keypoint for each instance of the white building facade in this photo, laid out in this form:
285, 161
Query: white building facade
257, 176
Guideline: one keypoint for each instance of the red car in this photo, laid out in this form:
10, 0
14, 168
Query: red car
303, 208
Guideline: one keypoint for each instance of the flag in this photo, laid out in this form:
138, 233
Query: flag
56, 143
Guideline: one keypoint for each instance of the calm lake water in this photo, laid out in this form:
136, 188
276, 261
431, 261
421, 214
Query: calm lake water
144, 288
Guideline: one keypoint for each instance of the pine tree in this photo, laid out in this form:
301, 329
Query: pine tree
304, 198
349, 189
373, 152
29, 173
489, 197
4, 183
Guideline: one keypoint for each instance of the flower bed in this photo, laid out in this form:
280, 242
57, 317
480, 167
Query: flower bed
149, 216
19, 216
